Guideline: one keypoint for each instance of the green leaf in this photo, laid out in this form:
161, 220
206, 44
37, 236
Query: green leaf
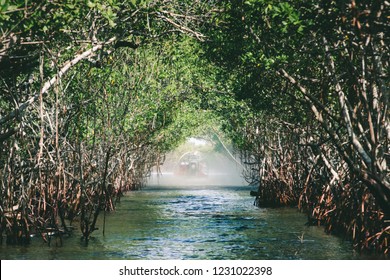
12, 8
133, 3
91, 4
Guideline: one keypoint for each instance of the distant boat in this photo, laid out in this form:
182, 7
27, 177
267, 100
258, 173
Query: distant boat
191, 164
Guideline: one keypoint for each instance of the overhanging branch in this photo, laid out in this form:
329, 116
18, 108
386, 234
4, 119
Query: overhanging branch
48, 84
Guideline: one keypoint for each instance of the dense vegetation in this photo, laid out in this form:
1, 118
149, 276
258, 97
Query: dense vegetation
315, 75
94, 93
92, 96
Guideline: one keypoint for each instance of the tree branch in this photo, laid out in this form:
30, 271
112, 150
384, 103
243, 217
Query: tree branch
347, 119
48, 84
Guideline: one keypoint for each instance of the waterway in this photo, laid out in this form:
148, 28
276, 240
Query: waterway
194, 222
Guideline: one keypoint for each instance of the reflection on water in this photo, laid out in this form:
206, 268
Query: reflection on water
198, 222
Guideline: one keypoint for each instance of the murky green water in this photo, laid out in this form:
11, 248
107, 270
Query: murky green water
202, 222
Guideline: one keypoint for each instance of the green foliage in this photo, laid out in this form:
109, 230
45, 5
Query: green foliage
6, 8
146, 87
251, 40
311, 66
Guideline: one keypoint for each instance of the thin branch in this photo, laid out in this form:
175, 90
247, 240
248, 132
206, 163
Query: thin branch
344, 107
65, 68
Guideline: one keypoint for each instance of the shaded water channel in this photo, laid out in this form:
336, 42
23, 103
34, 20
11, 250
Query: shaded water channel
194, 222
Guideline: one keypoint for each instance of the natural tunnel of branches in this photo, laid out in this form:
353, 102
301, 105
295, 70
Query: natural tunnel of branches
93, 94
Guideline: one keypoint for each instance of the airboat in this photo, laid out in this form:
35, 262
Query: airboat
192, 164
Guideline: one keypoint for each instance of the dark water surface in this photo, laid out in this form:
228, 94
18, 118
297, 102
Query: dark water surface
194, 222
